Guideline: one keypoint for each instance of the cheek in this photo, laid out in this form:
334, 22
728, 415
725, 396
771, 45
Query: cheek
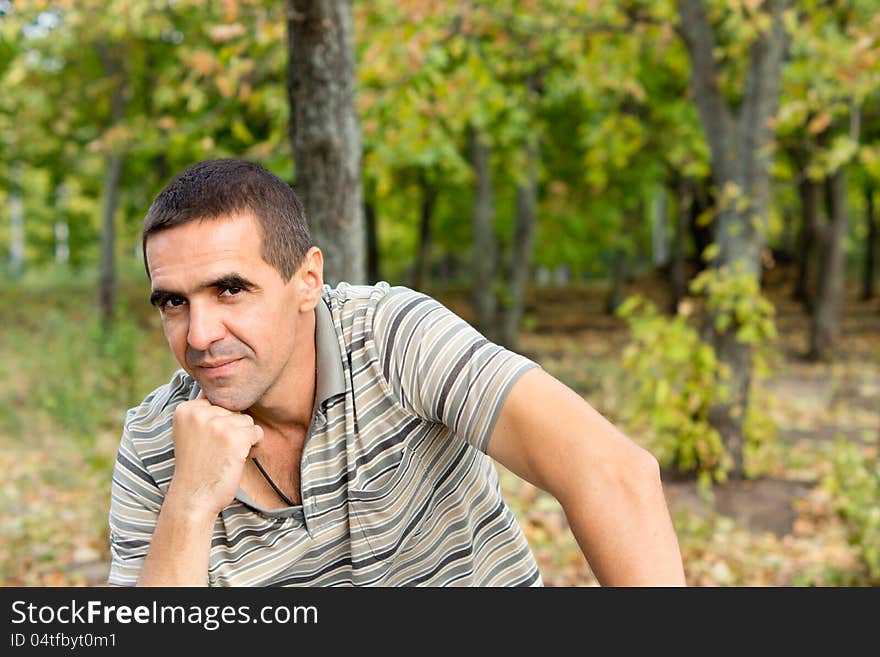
268, 336
176, 337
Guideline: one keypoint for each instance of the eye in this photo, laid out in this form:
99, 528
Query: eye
173, 302
231, 291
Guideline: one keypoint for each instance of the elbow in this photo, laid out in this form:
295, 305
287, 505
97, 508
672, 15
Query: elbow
640, 476
635, 476
628, 476
646, 467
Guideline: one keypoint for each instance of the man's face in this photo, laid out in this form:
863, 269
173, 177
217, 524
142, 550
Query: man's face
229, 317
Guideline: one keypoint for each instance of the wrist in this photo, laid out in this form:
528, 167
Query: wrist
189, 508
179, 552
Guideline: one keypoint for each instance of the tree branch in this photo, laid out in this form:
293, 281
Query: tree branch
761, 90
716, 117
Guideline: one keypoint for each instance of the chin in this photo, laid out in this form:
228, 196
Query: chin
231, 400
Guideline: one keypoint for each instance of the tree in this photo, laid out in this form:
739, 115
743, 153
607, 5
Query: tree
155, 86
325, 132
740, 138
831, 77
452, 121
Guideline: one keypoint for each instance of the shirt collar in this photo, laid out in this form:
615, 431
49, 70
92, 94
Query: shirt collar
330, 377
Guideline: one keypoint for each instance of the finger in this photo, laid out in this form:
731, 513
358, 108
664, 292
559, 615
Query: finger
255, 435
239, 420
199, 400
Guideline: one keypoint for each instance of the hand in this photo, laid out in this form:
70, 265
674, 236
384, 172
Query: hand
211, 447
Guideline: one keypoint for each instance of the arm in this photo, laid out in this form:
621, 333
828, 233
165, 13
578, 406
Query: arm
609, 487
181, 546
211, 445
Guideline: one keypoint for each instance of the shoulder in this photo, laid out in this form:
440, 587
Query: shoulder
348, 296
149, 424
378, 308
146, 449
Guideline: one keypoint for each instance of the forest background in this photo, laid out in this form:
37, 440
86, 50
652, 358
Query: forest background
672, 206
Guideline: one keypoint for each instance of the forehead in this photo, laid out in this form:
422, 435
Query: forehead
201, 248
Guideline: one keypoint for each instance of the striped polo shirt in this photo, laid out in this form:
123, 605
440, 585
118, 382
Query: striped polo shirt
396, 487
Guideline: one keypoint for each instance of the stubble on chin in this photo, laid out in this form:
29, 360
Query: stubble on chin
231, 398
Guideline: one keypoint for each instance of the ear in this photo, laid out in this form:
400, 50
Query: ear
310, 279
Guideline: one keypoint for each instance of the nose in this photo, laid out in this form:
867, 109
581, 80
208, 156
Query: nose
205, 327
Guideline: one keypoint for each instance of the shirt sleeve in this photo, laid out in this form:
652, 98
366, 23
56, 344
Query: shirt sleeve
441, 368
135, 502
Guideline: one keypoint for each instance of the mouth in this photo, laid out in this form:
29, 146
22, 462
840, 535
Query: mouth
221, 368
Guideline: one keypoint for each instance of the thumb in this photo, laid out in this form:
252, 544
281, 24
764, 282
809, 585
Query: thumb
256, 437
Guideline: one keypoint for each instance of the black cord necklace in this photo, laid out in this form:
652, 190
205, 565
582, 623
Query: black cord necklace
272, 484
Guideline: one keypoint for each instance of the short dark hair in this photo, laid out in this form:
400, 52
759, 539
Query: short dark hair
213, 189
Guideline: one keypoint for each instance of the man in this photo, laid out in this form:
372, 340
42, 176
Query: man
319, 436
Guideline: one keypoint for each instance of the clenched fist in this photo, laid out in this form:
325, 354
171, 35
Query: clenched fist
211, 447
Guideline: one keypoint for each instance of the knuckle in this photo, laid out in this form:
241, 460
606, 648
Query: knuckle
215, 422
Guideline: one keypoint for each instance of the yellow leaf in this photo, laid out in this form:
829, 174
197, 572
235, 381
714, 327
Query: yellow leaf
223, 33
224, 86
166, 122
711, 252
819, 123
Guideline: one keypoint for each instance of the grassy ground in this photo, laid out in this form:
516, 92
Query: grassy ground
64, 389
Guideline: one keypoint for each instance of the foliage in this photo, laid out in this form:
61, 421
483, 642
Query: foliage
198, 80
854, 484
734, 300
677, 376
612, 110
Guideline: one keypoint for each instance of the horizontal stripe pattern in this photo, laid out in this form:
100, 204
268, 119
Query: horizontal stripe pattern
396, 487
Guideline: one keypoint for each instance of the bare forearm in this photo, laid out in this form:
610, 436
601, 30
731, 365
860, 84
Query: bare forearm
608, 485
624, 529
180, 550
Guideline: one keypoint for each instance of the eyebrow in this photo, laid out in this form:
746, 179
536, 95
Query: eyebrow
159, 296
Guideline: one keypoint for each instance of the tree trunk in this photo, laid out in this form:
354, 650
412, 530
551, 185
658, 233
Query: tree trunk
113, 67
523, 242
62, 242
787, 248
811, 198
161, 166
426, 214
619, 272
825, 327
701, 201
107, 278
678, 278
620, 268
325, 133
484, 246
739, 144
16, 221
372, 242
62, 229
872, 243
659, 240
